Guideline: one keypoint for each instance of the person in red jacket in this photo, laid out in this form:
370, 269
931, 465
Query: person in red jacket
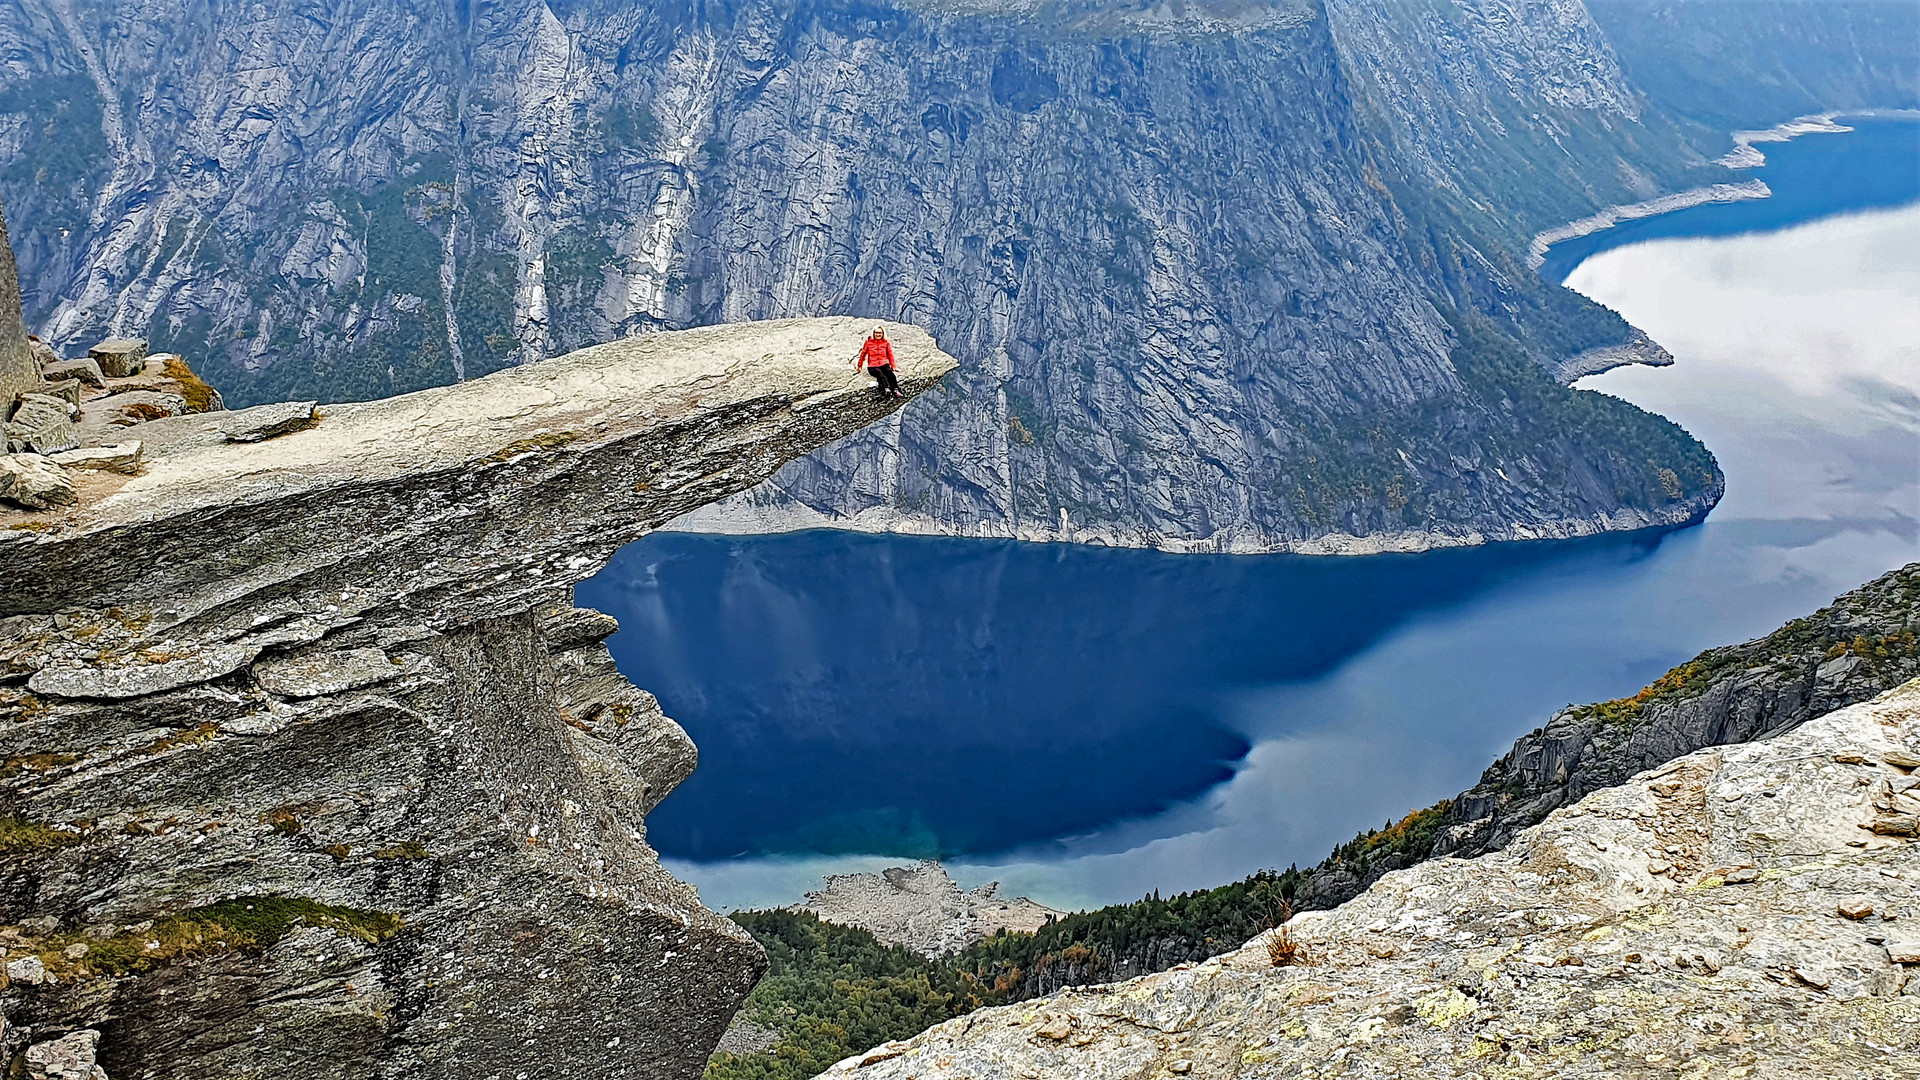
876, 355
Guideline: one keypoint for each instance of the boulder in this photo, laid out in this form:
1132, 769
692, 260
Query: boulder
70, 1057
42, 425
120, 357
121, 458
86, 370
34, 482
267, 421
67, 390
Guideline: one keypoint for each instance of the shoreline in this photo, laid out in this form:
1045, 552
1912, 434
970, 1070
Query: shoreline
747, 514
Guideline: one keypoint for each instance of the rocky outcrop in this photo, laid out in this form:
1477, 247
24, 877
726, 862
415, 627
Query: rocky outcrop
1865, 642
1637, 349
311, 766
923, 908
1740, 911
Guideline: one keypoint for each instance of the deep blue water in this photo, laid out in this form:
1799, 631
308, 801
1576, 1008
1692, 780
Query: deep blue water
1877, 164
1088, 724
927, 697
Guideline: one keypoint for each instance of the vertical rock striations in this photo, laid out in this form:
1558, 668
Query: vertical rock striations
312, 767
1216, 280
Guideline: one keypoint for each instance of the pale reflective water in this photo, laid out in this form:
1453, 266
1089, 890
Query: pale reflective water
1088, 726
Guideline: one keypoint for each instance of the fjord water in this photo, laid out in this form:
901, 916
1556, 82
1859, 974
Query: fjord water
1087, 725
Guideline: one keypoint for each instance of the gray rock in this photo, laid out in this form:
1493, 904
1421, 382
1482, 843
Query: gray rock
27, 969
67, 390
41, 424
43, 353
324, 673
34, 482
142, 679
70, 1057
119, 358
86, 370
120, 457
490, 791
267, 421
923, 908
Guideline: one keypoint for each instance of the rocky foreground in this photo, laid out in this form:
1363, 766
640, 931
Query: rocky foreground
1743, 911
312, 768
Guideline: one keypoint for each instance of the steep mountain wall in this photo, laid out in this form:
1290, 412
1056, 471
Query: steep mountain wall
1217, 276
311, 767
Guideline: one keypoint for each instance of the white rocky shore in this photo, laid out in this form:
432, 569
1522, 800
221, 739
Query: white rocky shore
923, 908
1742, 912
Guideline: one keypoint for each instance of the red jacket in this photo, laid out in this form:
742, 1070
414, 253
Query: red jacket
877, 352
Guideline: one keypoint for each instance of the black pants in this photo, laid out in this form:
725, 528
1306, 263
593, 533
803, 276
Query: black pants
884, 376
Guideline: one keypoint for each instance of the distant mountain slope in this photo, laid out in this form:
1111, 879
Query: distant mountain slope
1228, 275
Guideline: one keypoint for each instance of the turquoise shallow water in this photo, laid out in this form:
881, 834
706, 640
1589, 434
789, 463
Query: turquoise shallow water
1090, 724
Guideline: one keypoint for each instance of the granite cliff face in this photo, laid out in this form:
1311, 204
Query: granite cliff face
1224, 276
312, 767
1740, 911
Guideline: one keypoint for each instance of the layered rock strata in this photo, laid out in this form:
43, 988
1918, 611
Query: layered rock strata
311, 766
1740, 911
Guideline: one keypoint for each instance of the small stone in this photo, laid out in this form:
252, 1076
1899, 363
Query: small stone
1057, 1028
27, 969
267, 421
1897, 825
1903, 950
1182, 1067
1852, 758
86, 371
41, 924
70, 1057
1743, 876
35, 482
1813, 976
120, 457
75, 951
1658, 866
119, 358
883, 1052
1855, 909
1901, 759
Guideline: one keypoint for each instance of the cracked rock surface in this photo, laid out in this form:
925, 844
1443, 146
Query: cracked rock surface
1732, 913
335, 679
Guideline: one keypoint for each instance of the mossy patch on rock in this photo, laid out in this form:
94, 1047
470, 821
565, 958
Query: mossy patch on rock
19, 836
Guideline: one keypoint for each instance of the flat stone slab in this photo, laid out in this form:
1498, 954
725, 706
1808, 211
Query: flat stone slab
87, 371
267, 421
325, 673
120, 457
136, 680
119, 357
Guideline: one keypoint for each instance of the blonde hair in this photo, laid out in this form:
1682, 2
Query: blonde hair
879, 331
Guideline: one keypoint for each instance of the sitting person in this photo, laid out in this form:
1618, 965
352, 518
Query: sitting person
876, 355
